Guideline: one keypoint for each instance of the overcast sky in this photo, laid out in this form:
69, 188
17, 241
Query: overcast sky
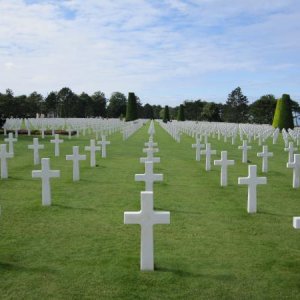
165, 51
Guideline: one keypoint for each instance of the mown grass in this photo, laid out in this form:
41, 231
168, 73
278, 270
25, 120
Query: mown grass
79, 247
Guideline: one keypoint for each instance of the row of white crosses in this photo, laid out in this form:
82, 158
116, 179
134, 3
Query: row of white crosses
252, 180
4, 154
46, 173
261, 134
147, 217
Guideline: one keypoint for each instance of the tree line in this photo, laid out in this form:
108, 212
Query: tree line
67, 104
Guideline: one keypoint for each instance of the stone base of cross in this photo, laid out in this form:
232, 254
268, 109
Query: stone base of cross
147, 217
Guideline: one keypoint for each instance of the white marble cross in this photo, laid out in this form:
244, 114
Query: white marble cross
76, 157
92, 148
56, 142
103, 144
69, 133
150, 157
208, 152
224, 163
265, 156
147, 217
11, 140
43, 132
295, 165
3, 156
245, 149
252, 181
45, 174
149, 177
198, 147
290, 149
35, 147
151, 144
296, 222
151, 130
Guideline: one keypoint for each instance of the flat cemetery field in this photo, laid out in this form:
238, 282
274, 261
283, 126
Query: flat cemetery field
79, 248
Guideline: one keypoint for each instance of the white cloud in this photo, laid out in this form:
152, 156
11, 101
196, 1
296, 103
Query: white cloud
142, 46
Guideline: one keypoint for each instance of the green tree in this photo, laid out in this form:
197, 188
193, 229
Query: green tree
180, 116
65, 101
99, 104
193, 109
117, 105
166, 117
236, 107
131, 109
283, 117
148, 111
82, 106
51, 104
211, 112
7, 104
156, 111
262, 110
33, 104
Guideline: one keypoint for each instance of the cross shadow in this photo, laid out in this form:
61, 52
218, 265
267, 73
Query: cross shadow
15, 267
273, 214
181, 273
179, 211
72, 207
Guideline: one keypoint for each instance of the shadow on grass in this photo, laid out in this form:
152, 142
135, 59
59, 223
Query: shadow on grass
181, 273
273, 214
14, 267
179, 211
72, 207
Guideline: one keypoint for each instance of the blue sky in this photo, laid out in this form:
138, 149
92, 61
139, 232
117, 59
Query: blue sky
165, 51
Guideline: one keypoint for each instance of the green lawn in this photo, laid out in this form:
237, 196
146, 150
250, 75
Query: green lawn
79, 247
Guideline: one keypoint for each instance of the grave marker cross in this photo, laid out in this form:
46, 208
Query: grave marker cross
56, 143
296, 222
11, 140
150, 156
291, 149
208, 152
245, 149
35, 147
147, 217
198, 147
92, 148
103, 144
295, 165
265, 155
45, 174
252, 181
3, 156
224, 163
149, 177
76, 157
